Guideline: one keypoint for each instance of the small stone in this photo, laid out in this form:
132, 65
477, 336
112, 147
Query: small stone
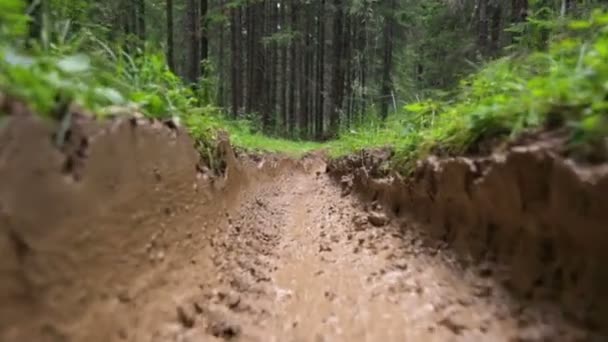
453, 326
184, 317
378, 219
224, 330
324, 248
124, 297
401, 265
330, 295
233, 300
482, 291
122, 334
485, 271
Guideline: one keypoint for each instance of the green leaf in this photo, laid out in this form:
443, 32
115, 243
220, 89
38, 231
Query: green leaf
580, 24
111, 95
74, 64
12, 58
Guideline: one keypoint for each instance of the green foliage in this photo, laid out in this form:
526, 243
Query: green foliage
568, 82
13, 21
55, 71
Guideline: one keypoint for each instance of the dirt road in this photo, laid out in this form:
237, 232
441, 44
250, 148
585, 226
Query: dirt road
127, 234
300, 262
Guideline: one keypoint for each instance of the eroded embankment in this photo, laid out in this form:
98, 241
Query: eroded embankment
537, 220
94, 214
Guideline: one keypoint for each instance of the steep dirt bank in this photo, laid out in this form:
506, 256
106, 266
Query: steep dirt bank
93, 214
534, 221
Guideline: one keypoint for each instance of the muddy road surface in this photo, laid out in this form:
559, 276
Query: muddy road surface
127, 237
300, 262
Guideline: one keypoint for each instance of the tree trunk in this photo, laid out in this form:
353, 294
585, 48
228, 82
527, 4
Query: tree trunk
483, 26
319, 112
170, 45
387, 65
335, 96
519, 14
237, 60
204, 35
364, 41
36, 15
220, 61
293, 70
304, 43
141, 19
251, 56
284, 71
348, 58
193, 27
495, 29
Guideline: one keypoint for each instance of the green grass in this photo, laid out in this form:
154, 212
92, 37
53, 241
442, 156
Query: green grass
260, 142
505, 98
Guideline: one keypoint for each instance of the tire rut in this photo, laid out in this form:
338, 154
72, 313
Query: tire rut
301, 262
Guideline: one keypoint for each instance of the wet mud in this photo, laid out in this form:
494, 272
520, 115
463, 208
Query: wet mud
120, 231
530, 219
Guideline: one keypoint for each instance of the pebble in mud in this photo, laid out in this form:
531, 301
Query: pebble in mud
378, 219
185, 316
225, 330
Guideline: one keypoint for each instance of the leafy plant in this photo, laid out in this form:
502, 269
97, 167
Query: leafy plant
506, 97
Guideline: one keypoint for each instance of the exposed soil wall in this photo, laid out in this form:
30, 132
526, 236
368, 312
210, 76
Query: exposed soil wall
93, 213
540, 221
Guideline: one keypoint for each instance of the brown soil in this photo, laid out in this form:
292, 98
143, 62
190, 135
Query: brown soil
115, 236
534, 219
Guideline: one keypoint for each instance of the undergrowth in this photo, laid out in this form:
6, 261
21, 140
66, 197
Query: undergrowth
103, 78
567, 85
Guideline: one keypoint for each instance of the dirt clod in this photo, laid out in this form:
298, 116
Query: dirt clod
378, 219
224, 330
185, 316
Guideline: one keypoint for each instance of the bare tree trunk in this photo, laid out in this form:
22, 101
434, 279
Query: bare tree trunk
141, 19
303, 112
273, 24
284, 71
319, 122
483, 26
251, 57
293, 70
237, 60
204, 35
387, 67
36, 15
170, 44
364, 41
519, 14
220, 61
496, 28
337, 83
193, 27
348, 57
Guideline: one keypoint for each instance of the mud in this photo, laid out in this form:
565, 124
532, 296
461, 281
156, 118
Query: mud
120, 231
533, 220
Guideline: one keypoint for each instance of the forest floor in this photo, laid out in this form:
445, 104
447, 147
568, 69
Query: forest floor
301, 262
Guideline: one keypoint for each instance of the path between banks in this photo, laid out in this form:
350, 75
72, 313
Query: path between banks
300, 262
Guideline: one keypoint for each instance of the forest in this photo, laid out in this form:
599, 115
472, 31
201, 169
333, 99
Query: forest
352, 72
303, 170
